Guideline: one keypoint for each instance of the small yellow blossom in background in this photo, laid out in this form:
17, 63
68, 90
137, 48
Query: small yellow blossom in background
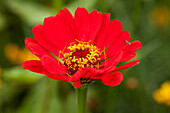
18, 55
160, 16
162, 95
131, 83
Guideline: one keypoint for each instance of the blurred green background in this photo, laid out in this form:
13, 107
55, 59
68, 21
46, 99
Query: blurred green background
26, 92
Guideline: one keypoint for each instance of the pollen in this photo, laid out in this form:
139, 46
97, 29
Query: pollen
81, 55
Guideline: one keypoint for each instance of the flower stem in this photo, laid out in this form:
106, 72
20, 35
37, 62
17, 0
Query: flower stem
81, 99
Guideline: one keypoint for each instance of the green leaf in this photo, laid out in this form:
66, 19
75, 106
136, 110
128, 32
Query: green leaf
19, 75
30, 12
104, 60
42, 98
2, 21
81, 3
104, 50
33, 101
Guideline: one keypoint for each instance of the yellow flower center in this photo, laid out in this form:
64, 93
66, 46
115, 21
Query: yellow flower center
81, 55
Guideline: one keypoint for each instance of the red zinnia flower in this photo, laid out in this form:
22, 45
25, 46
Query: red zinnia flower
81, 49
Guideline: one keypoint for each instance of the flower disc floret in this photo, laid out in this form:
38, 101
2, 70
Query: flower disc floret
81, 55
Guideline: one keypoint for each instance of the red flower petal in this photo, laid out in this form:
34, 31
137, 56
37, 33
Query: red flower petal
35, 48
51, 64
42, 39
87, 72
118, 44
113, 31
105, 22
109, 34
77, 84
34, 66
82, 22
58, 77
60, 29
77, 75
91, 72
82, 72
69, 23
112, 79
129, 51
95, 24
127, 56
135, 45
113, 61
127, 65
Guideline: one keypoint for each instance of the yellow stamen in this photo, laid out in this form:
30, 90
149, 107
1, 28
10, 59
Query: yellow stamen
105, 56
59, 57
82, 55
69, 75
64, 49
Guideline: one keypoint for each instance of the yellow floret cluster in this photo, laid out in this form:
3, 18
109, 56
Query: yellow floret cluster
162, 95
82, 55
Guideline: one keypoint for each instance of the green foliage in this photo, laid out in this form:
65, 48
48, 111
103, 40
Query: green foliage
80, 3
42, 98
18, 75
30, 12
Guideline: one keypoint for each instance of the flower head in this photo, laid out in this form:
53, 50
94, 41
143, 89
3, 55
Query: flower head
82, 48
162, 95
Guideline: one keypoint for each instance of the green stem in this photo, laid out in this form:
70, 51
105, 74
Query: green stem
81, 99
